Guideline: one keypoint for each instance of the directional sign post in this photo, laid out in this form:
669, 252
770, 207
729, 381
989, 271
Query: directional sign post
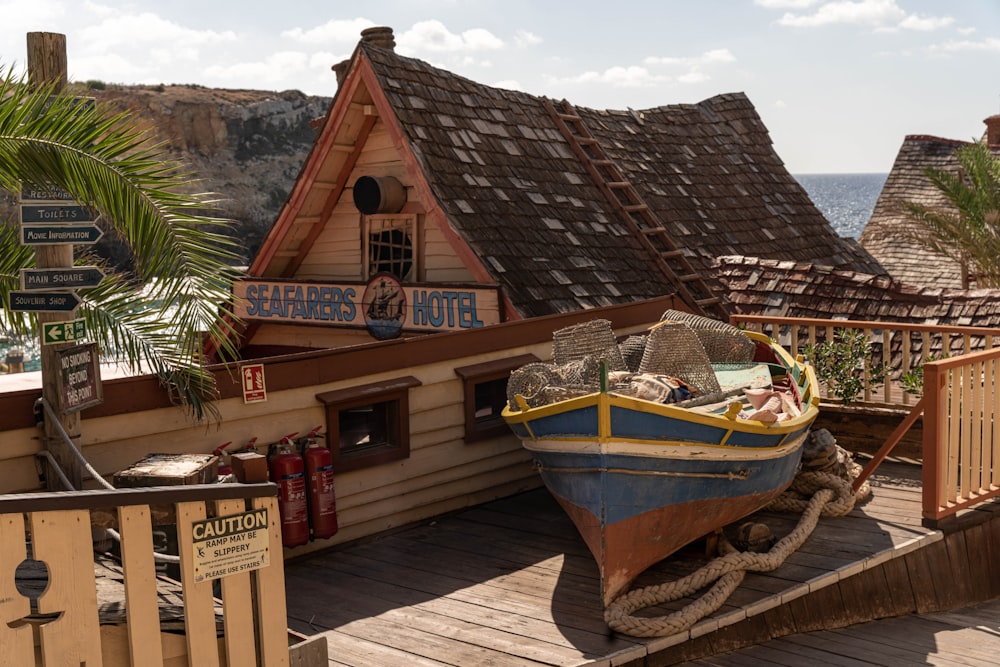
77, 277
47, 63
44, 302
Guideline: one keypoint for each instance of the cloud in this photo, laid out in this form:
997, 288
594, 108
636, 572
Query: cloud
434, 37
509, 84
991, 45
707, 58
262, 73
785, 4
681, 69
523, 38
118, 33
619, 77
925, 24
338, 31
861, 12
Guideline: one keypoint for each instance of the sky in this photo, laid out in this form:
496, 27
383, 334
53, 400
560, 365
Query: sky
839, 84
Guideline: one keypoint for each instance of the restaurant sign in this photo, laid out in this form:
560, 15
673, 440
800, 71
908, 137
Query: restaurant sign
424, 307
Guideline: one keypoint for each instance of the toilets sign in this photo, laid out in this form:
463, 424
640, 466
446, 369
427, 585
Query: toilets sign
423, 307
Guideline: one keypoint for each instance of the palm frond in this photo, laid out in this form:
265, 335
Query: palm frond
967, 228
183, 258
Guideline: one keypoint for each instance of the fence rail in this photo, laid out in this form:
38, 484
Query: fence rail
960, 366
56, 529
961, 437
906, 348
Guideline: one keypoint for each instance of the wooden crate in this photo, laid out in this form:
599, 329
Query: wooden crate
169, 470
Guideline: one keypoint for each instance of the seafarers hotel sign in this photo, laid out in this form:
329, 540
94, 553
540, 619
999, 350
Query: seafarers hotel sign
383, 305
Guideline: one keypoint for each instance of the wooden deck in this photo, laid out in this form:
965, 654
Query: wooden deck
968, 637
511, 583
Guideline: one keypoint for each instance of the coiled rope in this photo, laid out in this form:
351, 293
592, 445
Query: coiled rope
822, 487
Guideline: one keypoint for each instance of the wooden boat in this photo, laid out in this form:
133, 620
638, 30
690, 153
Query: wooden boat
641, 479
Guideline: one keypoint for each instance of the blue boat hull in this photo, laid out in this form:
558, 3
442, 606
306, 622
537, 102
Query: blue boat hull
640, 479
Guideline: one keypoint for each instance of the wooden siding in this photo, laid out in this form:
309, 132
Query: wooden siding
312, 337
442, 474
336, 252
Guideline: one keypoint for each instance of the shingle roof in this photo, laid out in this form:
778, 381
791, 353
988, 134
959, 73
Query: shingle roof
904, 259
512, 186
790, 289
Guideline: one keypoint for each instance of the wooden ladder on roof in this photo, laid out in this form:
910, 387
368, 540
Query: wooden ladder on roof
691, 287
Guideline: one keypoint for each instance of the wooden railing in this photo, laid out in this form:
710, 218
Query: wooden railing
961, 437
64, 619
960, 396
906, 348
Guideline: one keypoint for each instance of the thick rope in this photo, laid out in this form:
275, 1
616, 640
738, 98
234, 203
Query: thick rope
814, 493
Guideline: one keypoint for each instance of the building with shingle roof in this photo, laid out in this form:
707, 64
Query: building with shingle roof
803, 289
535, 206
905, 259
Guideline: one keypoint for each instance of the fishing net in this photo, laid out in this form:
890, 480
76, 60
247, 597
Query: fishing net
595, 338
674, 349
721, 340
632, 349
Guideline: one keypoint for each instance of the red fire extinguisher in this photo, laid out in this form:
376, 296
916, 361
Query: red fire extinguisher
225, 468
287, 470
319, 480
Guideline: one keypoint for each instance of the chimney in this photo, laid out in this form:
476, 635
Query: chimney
380, 36
993, 131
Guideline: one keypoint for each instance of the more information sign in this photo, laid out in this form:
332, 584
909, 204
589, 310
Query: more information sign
230, 544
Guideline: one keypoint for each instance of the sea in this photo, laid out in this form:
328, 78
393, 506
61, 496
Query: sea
846, 200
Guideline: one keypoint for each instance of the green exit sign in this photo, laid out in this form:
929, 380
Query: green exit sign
63, 332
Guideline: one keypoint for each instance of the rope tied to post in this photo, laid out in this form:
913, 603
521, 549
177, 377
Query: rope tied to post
822, 487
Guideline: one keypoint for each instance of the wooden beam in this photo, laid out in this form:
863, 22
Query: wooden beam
47, 65
332, 198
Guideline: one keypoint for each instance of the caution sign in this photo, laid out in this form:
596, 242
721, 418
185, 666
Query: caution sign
230, 544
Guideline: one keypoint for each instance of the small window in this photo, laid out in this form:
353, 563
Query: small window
486, 395
368, 425
391, 243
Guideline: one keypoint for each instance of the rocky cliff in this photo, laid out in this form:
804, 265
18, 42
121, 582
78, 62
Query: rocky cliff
246, 145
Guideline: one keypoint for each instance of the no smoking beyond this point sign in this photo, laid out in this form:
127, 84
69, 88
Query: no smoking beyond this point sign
253, 383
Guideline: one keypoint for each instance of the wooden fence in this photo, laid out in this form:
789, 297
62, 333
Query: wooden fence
62, 626
961, 464
960, 396
906, 348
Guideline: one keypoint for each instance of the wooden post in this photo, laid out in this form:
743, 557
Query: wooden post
47, 64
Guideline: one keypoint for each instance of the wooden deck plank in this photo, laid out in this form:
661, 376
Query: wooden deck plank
530, 616
349, 650
509, 636
967, 637
511, 582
